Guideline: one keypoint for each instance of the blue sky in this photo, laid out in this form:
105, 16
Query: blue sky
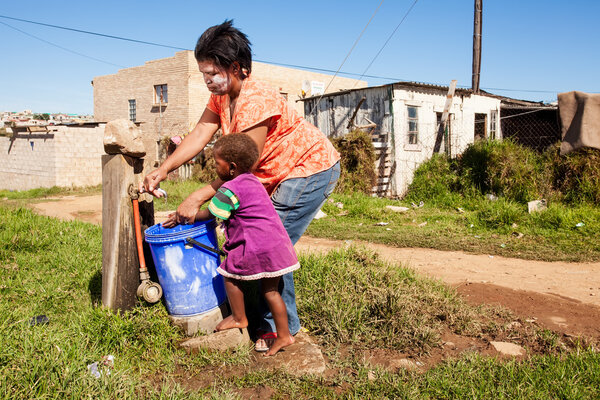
534, 48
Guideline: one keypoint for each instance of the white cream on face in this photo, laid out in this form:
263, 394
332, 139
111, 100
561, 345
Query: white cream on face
220, 84
217, 80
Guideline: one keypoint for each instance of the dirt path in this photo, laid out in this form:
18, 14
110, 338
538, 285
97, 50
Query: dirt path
579, 281
562, 296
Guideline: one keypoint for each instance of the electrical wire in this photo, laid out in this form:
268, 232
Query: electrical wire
93, 33
60, 47
347, 55
363, 75
388, 39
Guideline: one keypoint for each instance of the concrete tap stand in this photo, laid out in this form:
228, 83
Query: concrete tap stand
205, 322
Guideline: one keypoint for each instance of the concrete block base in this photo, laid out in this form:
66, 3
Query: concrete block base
205, 322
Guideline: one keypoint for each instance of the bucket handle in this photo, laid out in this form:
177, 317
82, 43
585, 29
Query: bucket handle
205, 247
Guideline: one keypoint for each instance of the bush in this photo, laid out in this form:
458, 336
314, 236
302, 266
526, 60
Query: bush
576, 175
204, 169
505, 168
357, 162
435, 180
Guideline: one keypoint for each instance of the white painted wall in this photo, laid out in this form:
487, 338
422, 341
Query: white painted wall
408, 157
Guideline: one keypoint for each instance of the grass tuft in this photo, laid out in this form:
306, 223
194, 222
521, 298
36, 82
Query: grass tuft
351, 296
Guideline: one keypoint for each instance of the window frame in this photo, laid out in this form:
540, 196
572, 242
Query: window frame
412, 133
132, 110
164, 94
493, 132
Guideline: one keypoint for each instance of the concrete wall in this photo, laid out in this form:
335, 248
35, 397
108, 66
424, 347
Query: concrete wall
67, 157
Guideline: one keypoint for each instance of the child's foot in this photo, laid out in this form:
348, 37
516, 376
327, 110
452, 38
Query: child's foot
230, 323
279, 344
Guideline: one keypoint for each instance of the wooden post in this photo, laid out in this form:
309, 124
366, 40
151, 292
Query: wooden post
476, 46
120, 264
441, 131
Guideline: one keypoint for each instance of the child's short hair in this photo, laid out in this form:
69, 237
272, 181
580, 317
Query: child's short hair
238, 148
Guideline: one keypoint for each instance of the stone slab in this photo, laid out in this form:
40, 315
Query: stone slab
302, 358
205, 322
218, 341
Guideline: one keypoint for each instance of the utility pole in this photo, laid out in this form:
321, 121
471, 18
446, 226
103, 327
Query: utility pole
476, 46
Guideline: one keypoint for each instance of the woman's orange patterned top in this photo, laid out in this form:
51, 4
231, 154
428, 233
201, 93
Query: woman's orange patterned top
294, 148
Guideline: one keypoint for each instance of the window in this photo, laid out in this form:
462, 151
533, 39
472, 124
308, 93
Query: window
444, 137
413, 125
493, 124
480, 126
285, 95
160, 94
132, 110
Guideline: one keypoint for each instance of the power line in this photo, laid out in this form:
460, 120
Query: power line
93, 33
347, 55
363, 75
388, 39
60, 47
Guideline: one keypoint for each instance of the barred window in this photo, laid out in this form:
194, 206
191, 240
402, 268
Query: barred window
413, 125
132, 110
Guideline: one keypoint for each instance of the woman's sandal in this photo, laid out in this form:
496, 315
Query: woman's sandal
268, 339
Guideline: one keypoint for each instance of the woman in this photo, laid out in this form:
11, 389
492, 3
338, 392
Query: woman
298, 165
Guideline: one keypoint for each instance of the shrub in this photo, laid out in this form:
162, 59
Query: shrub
435, 180
505, 168
204, 168
357, 162
576, 175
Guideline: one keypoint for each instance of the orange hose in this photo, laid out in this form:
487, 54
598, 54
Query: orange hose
138, 234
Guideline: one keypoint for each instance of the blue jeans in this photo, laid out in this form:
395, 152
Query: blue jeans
297, 201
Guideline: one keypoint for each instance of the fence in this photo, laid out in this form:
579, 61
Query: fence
537, 128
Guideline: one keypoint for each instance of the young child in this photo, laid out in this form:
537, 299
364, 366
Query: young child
257, 245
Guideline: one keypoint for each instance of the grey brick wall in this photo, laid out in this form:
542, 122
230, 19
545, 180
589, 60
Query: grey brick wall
67, 157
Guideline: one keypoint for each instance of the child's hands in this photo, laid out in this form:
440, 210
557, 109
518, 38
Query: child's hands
171, 221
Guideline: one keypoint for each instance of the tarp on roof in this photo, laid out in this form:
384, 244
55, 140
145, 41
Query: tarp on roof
580, 120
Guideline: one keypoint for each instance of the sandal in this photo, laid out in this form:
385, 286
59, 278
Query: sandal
268, 339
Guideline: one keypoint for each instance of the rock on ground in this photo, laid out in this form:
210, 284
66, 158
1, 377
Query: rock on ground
508, 349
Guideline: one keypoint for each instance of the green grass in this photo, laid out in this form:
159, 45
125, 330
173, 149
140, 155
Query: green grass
347, 298
480, 226
381, 305
48, 192
571, 376
474, 225
177, 191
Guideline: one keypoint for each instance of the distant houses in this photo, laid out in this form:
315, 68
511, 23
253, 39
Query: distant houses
28, 117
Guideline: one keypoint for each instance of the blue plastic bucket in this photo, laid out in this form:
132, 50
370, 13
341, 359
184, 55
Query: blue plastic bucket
187, 273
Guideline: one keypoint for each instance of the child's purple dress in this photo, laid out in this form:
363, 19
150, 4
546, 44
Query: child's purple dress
257, 245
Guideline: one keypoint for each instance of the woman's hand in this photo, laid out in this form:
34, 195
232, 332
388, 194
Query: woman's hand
152, 182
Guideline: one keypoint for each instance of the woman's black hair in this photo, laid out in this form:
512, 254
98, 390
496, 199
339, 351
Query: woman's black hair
223, 44
238, 148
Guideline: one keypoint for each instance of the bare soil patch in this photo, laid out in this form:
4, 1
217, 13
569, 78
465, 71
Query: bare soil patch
557, 313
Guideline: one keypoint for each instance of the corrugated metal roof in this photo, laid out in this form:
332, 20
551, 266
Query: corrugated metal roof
506, 101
